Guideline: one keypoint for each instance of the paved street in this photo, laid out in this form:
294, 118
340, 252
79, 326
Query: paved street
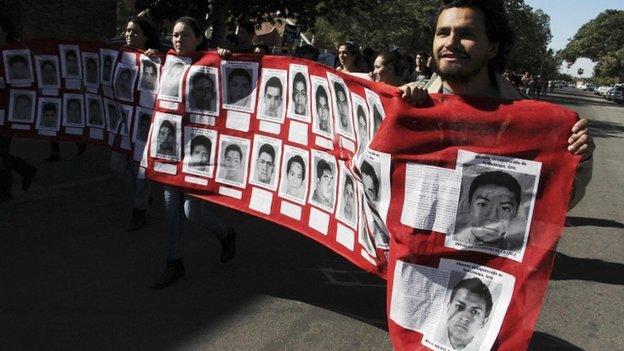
72, 278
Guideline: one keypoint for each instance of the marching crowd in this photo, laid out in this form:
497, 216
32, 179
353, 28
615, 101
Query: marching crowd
470, 47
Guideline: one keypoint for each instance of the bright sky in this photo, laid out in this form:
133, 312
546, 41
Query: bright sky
566, 17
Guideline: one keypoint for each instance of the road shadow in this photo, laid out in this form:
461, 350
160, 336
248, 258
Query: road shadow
606, 129
589, 269
90, 279
572, 221
546, 342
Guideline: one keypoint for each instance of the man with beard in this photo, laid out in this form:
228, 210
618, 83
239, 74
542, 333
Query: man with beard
300, 94
470, 47
467, 312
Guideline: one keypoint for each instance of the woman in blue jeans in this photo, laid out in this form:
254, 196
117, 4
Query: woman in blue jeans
187, 38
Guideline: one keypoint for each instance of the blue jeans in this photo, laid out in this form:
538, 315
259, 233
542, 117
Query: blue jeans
196, 211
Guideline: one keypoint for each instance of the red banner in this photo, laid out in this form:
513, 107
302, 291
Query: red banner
458, 204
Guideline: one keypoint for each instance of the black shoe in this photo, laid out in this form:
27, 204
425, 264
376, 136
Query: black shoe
28, 177
228, 245
173, 271
139, 220
54, 157
81, 148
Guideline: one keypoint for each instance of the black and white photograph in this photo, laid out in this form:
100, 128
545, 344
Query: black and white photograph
108, 59
239, 85
376, 112
375, 225
299, 93
265, 162
361, 121
166, 140
149, 74
495, 204
199, 151
171, 82
125, 122
91, 64
233, 160
18, 67
466, 313
142, 121
22, 106
73, 110
112, 115
341, 105
475, 302
71, 66
202, 93
324, 174
125, 77
95, 111
365, 238
323, 120
272, 101
48, 72
347, 197
371, 180
295, 174
49, 114
374, 168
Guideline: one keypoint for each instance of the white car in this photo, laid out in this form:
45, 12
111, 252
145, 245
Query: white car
602, 90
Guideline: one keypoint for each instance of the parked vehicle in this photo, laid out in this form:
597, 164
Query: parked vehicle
618, 94
602, 90
609, 94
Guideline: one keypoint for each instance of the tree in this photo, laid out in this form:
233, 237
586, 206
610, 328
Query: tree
410, 26
602, 41
580, 71
392, 23
220, 14
532, 30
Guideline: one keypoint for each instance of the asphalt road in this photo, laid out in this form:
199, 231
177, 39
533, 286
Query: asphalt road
72, 278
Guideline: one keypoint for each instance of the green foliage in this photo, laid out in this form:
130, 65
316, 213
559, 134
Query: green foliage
379, 24
602, 41
390, 23
409, 25
220, 13
532, 30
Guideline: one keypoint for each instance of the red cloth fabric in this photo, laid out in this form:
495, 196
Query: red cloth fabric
429, 135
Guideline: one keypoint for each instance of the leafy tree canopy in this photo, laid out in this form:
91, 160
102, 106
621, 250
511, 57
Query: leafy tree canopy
602, 41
